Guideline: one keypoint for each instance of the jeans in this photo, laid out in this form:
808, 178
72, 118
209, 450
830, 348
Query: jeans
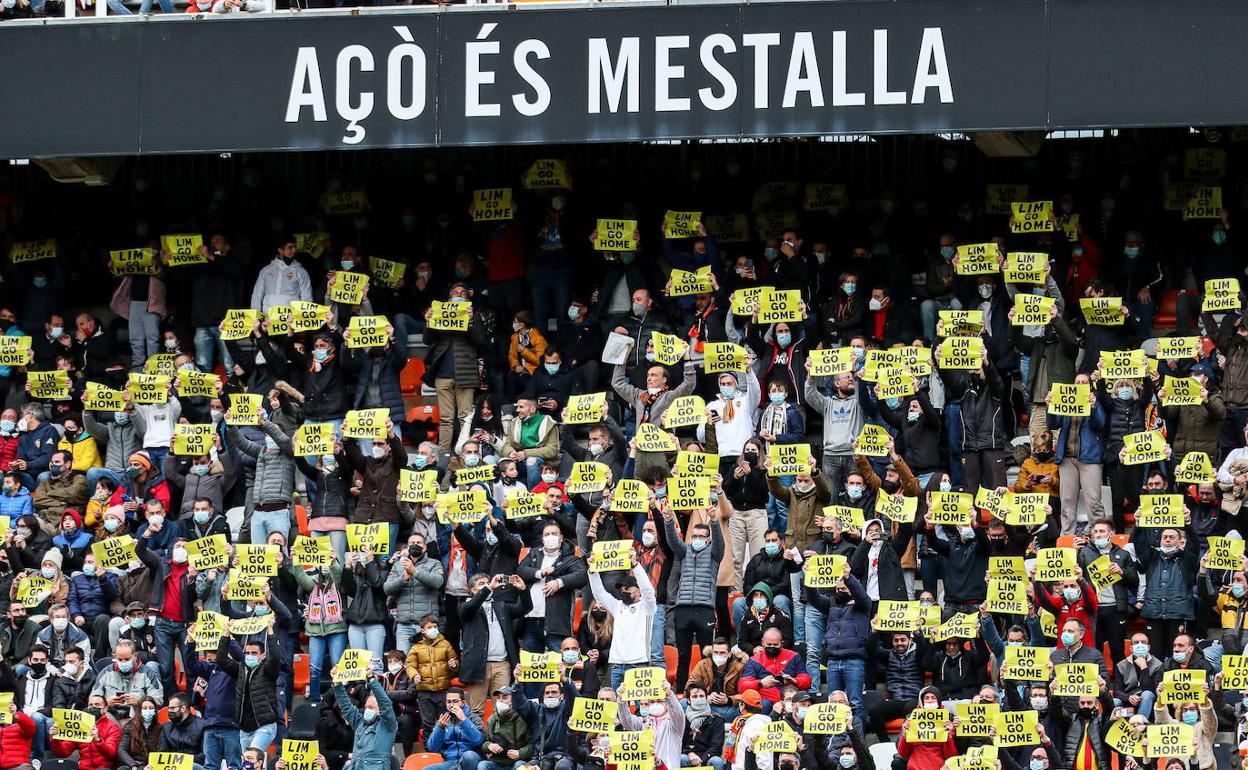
37, 746
815, 624
261, 738
264, 523
658, 631
929, 311
1147, 699
848, 674
95, 474
618, 670
533, 471
207, 344
953, 439
337, 540
334, 644
838, 468
404, 634
471, 760
535, 638
798, 615
144, 326
222, 743
716, 763
371, 637
739, 607
552, 291
169, 635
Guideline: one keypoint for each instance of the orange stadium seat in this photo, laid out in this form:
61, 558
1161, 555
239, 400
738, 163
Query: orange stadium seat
302, 665
424, 759
410, 378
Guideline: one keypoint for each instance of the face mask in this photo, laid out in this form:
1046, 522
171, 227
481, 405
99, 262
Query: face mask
551, 542
985, 290
848, 760
772, 549
771, 253
491, 538
1125, 393
1039, 704
40, 282
472, 461
784, 339
459, 299
252, 661
776, 398
1237, 590
1068, 639
849, 288
657, 709
501, 707
38, 669
760, 603
23, 424
201, 469
1037, 764
138, 622
1169, 550
638, 308
549, 478
8, 426
648, 539
697, 544
179, 555
912, 416
1102, 543
945, 486
55, 470
875, 304
121, 418
1181, 657
269, 443
420, 462
1071, 594
156, 520
111, 525
1139, 650
966, 533
429, 511
201, 517
855, 493
125, 666
147, 714
370, 716
727, 391
320, 354
571, 657
948, 252
1131, 252
48, 572
1191, 717
379, 452
771, 652
260, 611
431, 633
1219, 237
60, 623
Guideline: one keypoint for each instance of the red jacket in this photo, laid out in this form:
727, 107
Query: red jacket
926, 756
8, 450
97, 755
15, 740
1082, 609
760, 666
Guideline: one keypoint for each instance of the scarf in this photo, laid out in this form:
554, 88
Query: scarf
522, 338
647, 400
316, 366
695, 715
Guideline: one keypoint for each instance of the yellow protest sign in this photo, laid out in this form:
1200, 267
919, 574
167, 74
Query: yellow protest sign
73, 726
829, 362
244, 409
1028, 664
113, 552
821, 196
1070, 227
1122, 738
191, 439
314, 439
630, 496
278, 320
1007, 567
963, 625
133, 262
976, 720
683, 282
347, 287
524, 505
546, 174
900, 510
631, 750
777, 736
1173, 348
1025, 267
897, 616
307, 316
492, 205
895, 382
1031, 217
1235, 672
355, 665
929, 615
14, 350
1070, 400
723, 357
644, 683
788, 459
681, 224
586, 477
1048, 624
684, 412
964, 353
1195, 468
1221, 295
299, 755
668, 348
827, 719
192, 383
1183, 686
872, 441
240, 587
417, 486
916, 358
313, 244
745, 301
386, 272
590, 715
927, 726
1157, 511
952, 509
1007, 596
342, 202
1181, 391
538, 667
257, 560
53, 385
182, 249
147, 388
1205, 203
585, 409
729, 228
617, 235
978, 259
1225, 553
33, 589
1174, 740
1204, 163
1072, 680
689, 493
848, 516
375, 537
101, 398
1144, 447
1102, 311
1016, 728
1099, 574
367, 332
998, 197
248, 625
1024, 509
238, 323
311, 551
876, 360
205, 553
652, 438
1054, 564
366, 423
450, 316
961, 323
823, 570
612, 556
1032, 310
780, 306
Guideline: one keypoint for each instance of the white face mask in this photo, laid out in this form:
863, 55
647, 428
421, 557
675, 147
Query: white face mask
875, 304
179, 555
70, 669
394, 668
550, 542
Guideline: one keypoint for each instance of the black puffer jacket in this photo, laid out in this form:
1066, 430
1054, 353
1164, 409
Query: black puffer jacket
1125, 416
982, 426
368, 600
256, 687
324, 391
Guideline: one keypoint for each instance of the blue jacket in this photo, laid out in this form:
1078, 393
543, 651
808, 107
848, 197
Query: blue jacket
161, 542
91, 596
549, 727
1091, 436
848, 626
16, 505
451, 742
36, 448
373, 740
222, 692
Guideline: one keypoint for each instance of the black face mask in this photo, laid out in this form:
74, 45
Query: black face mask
841, 597
890, 486
828, 537
1042, 457
95, 712
38, 669
18, 620
599, 615
772, 652
287, 260
5, 324
1087, 713
750, 457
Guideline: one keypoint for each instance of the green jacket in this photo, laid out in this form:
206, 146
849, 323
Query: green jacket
510, 731
313, 617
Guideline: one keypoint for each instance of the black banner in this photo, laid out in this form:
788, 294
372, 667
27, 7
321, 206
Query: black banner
420, 77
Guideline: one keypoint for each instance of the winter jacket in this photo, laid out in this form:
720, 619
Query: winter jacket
139, 682
777, 363
54, 495
848, 626
632, 394
964, 565
1052, 357
919, 441
221, 693
1235, 347
185, 737
461, 736
83, 451
436, 661
1123, 416
510, 731
1130, 680
926, 756
982, 423
68, 693
280, 282
803, 508
318, 619
462, 347
378, 499
334, 500
1169, 579
36, 447
502, 558
368, 599
903, 672
213, 485
547, 447
274, 480
960, 677
476, 629
1195, 428
1130, 582
162, 571
760, 666
753, 626
773, 571
727, 680
121, 439
698, 571
748, 493
257, 686
386, 368
568, 569
16, 505
98, 754
1095, 728
885, 560
1091, 435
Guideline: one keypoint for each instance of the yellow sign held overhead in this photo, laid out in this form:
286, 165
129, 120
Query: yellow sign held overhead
652, 438
205, 553
1102, 311
191, 439
590, 715
386, 272
147, 388
546, 174
1053, 564
347, 287
900, 510
927, 725
961, 353
1028, 664
668, 348
953, 509
1031, 217
586, 477
355, 665
681, 224
683, 282
52, 386
1181, 391
492, 205
314, 439
1070, 400
872, 441
1074, 680
788, 459
612, 555
133, 262
1221, 295
617, 235
723, 357
1174, 348
630, 496
1033, 310
366, 423
1016, 728
1144, 447
780, 306
824, 570
1025, 267
182, 249
585, 408
684, 412
978, 259
829, 362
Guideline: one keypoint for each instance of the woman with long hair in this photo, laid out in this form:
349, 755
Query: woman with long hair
140, 736
595, 634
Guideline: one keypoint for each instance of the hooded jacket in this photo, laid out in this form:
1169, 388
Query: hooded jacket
750, 632
847, 625
803, 507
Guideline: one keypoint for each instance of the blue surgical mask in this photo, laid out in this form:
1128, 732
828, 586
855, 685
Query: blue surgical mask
784, 339
111, 525
1077, 251
771, 253
948, 252
420, 462
1068, 639
638, 309
912, 416
776, 398
760, 603
1219, 237
1131, 252
1191, 717
138, 623
121, 418
892, 403
48, 572
855, 493
945, 486
660, 492
727, 391
1126, 393
698, 545
1169, 550
650, 356
88, 570
491, 538
201, 517
772, 549
1181, 657
847, 760
8, 426
40, 282
1037, 764
200, 469
573, 313
1101, 543
551, 368
125, 666
320, 354
1237, 590
1071, 594
269, 443
459, 299
966, 533
472, 461
1140, 649
252, 661
261, 611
